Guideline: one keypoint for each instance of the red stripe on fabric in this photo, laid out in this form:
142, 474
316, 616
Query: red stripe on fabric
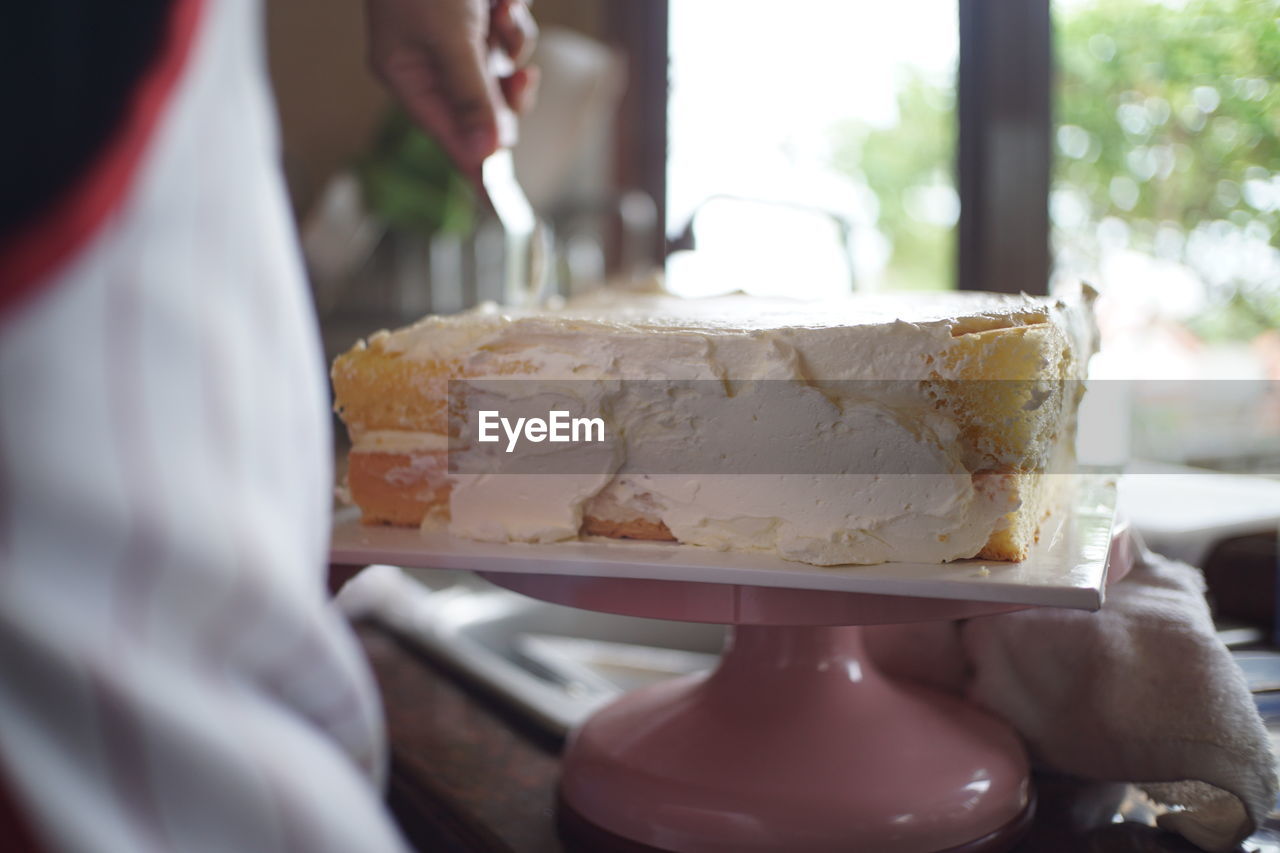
30, 256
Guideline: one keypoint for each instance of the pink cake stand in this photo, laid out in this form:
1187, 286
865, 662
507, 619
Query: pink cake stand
794, 743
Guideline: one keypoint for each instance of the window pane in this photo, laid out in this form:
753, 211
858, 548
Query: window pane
1167, 178
840, 117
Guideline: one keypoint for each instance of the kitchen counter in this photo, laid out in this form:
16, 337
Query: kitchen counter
470, 776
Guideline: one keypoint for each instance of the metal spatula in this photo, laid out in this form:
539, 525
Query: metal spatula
525, 279
524, 268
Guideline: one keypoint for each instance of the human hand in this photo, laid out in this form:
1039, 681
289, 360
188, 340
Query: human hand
437, 57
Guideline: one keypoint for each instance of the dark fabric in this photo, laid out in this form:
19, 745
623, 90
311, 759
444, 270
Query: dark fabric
15, 832
67, 68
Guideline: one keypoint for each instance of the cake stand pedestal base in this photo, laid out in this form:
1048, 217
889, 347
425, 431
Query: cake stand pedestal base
794, 743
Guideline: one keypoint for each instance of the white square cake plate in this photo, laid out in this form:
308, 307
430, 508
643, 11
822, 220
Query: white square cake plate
1066, 568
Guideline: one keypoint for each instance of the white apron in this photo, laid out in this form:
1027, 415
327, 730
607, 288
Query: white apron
172, 676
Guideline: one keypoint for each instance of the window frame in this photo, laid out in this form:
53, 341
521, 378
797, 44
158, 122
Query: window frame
1003, 151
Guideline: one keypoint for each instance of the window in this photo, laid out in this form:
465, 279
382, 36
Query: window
1166, 186
813, 144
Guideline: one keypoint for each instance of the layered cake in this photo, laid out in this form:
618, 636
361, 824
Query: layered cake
913, 427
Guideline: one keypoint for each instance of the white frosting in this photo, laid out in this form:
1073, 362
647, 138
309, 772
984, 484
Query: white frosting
521, 507
655, 337
828, 519
923, 503
919, 504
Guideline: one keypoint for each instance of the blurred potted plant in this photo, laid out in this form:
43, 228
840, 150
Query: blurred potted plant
428, 211
410, 184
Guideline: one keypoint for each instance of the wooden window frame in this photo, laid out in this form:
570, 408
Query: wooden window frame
1004, 153
640, 29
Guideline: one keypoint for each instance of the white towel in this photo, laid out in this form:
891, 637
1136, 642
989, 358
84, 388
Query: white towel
1141, 691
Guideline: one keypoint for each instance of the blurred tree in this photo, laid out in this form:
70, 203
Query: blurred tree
1169, 121
1176, 100
908, 166
1168, 143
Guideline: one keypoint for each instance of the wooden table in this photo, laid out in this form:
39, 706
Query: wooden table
469, 775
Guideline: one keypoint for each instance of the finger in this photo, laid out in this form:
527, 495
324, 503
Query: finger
467, 89
521, 88
415, 80
434, 114
514, 30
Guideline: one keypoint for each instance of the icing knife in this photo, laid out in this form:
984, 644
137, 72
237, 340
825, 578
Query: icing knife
525, 280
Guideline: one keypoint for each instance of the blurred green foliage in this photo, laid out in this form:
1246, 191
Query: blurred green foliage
1242, 315
411, 184
1176, 100
1167, 118
915, 155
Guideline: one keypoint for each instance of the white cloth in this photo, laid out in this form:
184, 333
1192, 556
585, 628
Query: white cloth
1141, 691
172, 676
